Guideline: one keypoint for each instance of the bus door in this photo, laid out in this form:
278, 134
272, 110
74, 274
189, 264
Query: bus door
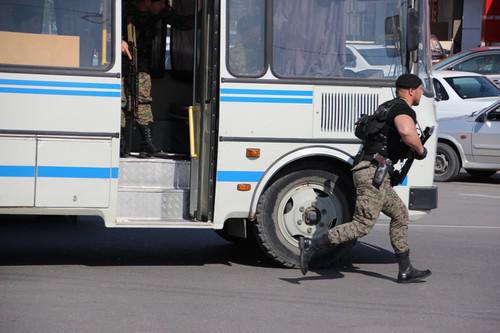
204, 110
60, 103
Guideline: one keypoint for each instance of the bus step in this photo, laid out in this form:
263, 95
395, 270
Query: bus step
153, 203
156, 172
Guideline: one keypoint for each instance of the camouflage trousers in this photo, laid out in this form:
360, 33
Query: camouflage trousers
144, 113
370, 202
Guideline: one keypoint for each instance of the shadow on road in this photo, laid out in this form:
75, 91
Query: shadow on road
362, 253
58, 240
464, 177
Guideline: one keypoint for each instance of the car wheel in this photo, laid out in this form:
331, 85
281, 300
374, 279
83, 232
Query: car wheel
480, 173
447, 164
303, 203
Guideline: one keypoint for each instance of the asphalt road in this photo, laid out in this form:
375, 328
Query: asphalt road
58, 275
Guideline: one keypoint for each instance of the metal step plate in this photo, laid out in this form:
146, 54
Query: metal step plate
154, 173
151, 203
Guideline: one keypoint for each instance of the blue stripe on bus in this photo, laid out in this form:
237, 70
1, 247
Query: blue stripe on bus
60, 92
266, 100
60, 84
77, 172
17, 171
404, 182
239, 176
266, 92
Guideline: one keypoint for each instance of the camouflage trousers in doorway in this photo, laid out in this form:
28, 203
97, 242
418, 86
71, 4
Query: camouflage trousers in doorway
144, 113
370, 201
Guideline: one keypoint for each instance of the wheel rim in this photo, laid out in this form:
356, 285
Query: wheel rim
441, 164
308, 210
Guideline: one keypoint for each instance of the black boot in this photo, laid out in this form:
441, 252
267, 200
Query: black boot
148, 148
308, 247
408, 274
123, 144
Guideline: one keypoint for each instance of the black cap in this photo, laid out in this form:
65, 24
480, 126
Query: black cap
408, 81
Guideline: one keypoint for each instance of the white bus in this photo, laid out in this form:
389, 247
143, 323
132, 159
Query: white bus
273, 89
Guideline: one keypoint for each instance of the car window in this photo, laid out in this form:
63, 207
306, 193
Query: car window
485, 64
439, 90
444, 63
494, 115
473, 86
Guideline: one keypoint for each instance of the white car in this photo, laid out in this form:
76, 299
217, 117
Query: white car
481, 60
372, 60
471, 142
461, 93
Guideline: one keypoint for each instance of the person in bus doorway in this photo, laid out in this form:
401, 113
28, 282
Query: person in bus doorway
400, 135
142, 14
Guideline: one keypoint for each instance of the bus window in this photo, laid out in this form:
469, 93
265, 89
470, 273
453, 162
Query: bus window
246, 37
333, 39
56, 33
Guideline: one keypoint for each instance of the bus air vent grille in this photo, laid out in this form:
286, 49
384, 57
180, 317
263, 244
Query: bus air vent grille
339, 111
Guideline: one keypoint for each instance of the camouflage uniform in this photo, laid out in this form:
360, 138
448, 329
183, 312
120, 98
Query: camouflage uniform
144, 113
370, 202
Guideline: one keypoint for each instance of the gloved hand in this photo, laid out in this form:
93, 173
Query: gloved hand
421, 157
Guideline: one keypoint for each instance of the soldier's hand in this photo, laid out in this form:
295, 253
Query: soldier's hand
421, 156
125, 49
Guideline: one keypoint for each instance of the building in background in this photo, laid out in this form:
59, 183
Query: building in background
462, 24
490, 32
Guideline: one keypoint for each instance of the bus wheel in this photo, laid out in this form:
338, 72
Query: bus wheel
303, 203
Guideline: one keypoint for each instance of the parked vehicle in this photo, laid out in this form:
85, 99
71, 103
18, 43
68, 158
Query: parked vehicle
481, 60
460, 93
371, 60
471, 142
437, 51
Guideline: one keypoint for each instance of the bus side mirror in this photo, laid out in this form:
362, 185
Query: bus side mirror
413, 30
392, 36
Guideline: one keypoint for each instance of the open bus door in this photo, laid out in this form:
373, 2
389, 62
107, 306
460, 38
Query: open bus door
203, 113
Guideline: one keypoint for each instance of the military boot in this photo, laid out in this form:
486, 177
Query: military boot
407, 273
308, 247
123, 144
148, 148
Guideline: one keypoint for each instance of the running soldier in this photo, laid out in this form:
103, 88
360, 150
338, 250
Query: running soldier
399, 135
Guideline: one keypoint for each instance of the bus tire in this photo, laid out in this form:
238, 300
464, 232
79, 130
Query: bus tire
282, 208
447, 164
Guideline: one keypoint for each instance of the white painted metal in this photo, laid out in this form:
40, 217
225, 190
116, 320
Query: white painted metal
73, 191
17, 191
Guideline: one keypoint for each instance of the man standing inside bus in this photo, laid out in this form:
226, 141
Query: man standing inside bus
400, 127
141, 14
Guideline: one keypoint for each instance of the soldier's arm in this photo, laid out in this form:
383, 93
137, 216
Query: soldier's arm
408, 132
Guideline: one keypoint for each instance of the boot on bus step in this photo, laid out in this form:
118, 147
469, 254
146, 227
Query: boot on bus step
148, 149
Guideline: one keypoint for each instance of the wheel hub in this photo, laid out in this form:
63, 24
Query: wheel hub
441, 164
312, 216
307, 210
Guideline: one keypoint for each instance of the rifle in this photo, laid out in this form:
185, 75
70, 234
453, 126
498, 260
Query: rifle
132, 82
398, 176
